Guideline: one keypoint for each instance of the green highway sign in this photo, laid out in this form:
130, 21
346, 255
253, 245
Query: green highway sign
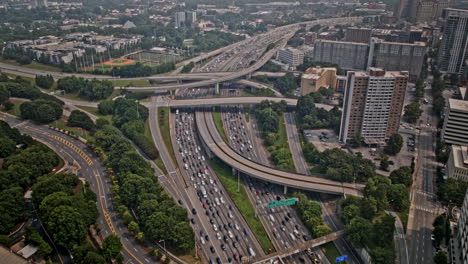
291, 201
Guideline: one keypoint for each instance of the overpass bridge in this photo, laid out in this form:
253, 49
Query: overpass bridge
302, 247
215, 145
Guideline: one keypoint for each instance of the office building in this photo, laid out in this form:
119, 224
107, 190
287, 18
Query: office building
39, 3
347, 55
316, 77
373, 103
457, 164
290, 56
453, 49
463, 231
430, 11
191, 18
310, 38
360, 35
179, 19
396, 56
455, 129
407, 10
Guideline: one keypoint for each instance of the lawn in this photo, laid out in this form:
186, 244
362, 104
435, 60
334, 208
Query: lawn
125, 83
242, 202
157, 161
63, 125
94, 111
219, 125
331, 252
163, 121
15, 110
34, 65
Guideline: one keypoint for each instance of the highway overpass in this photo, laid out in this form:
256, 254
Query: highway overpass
215, 145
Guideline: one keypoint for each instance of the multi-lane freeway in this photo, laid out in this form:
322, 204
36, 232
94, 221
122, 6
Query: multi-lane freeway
214, 142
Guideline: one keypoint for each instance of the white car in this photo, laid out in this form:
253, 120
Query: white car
217, 201
215, 228
230, 214
230, 234
202, 240
218, 235
222, 200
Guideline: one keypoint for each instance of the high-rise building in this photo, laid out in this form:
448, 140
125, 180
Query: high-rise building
453, 49
429, 11
179, 19
457, 164
191, 18
360, 35
407, 10
347, 55
455, 129
39, 3
373, 103
310, 38
397, 56
463, 231
314, 78
290, 56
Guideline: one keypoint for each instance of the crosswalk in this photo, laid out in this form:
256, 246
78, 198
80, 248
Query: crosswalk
428, 210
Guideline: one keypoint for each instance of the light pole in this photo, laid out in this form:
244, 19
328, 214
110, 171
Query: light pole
138, 114
164, 243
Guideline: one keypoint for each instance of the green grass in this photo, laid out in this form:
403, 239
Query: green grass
331, 252
157, 161
219, 125
33, 65
94, 111
163, 121
63, 125
15, 110
125, 83
404, 218
242, 202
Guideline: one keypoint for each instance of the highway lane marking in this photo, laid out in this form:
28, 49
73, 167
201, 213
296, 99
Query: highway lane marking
75, 148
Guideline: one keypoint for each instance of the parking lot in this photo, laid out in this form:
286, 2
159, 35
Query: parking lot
322, 138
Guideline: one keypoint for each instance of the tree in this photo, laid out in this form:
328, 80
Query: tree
402, 175
12, 208
67, 226
357, 141
412, 112
4, 95
111, 246
7, 147
394, 144
358, 231
440, 257
384, 162
80, 119
93, 258
398, 197
41, 110
44, 81
322, 230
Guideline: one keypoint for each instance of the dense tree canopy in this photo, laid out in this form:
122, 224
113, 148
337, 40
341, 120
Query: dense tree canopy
88, 89
45, 81
80, 119
41, 110
412, 112
309, 116
394, 144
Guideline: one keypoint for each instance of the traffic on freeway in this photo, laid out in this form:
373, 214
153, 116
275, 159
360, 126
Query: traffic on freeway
223, 234
283, 225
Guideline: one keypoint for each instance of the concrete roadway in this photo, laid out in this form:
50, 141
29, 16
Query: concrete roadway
72, 150
215, 143
295, 144
424, 205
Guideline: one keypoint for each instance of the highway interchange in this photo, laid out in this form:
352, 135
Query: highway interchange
184, 184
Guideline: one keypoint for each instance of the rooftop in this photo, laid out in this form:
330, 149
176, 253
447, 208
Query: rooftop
6, 256
460, 105
460, 156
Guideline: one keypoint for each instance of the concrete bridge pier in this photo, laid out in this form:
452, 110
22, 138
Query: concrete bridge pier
249, 76
217, 88
179, 81
172, 94
285, 190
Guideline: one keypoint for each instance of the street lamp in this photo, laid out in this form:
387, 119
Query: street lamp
164, 243
138, 114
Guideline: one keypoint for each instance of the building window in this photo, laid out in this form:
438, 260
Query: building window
394, 49
405, 50
418, 52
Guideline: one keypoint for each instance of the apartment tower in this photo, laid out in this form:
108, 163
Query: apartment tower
453, 49
373, 104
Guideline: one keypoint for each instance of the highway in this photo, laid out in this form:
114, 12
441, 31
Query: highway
213, 141
94, 172
283, 225
295, 144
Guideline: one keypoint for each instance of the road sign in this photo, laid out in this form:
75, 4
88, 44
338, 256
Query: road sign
291, 201
342, 258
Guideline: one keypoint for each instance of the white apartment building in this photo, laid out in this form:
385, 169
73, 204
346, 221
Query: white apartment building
455, 129
457, 165
293, 57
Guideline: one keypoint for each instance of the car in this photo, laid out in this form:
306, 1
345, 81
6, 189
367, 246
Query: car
282, 228
225, 226
207, 238
192, 220
207, 213
230, 214
202, 240
230, 260
286, 218
225, 238
212, 249
223, 247
237, 238
218, 261
204, 206
289, 215
180, 202
215, 228
282, 221
211, 221
194, 211
245, 232
234, 244
236, 226
432, 237
230, 225
218, 235
230, 234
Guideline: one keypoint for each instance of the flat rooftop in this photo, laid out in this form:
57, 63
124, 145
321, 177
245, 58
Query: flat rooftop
459, 105
460, 156
9, 257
